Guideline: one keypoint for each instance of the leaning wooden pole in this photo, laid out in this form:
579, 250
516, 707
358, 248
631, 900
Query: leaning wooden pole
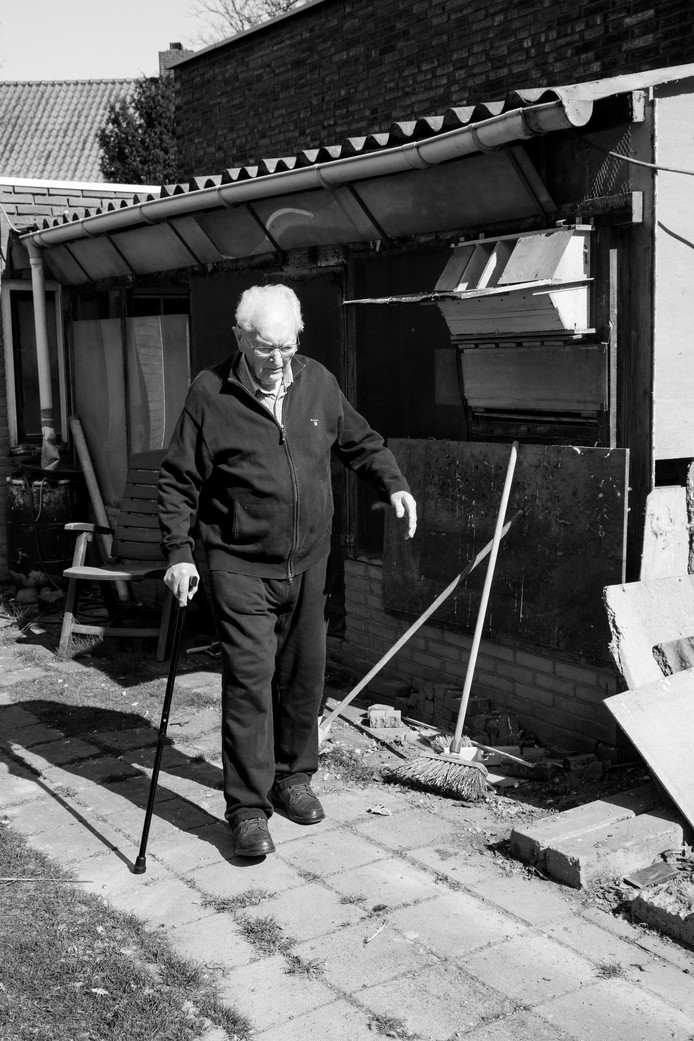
106, 541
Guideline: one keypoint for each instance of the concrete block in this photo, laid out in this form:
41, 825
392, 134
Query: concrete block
668, 908
531, 844
614, 849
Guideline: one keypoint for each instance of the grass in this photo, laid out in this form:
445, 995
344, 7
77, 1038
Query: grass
265, 934
390, 1026
74, 968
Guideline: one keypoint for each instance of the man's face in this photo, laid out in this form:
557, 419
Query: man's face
275, 329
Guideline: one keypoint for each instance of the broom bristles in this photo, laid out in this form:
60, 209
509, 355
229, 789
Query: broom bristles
441, 776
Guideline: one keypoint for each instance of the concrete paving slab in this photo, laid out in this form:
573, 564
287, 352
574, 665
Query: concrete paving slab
184, 852
390, 883
120, 741
615, 849
653, 943
230, 878
195, 723
454, 924
108, 874
523, 897
285, 831
663, 908
270, 996
619, 1010
408, 830
340, 1021
601, 945
163, 902
66, 750
312, 911
520, 1026
353, 804
14, 717
213, 940
90, 772
438, 1003
17, 784
460, 868
530, 842
325, 852
530, 968
68, 843
33, 734
363, 959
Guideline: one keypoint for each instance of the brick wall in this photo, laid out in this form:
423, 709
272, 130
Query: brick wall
24, 203
557, 701
341, 68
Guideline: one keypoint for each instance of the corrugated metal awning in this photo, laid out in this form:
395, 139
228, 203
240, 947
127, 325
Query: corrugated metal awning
462, 169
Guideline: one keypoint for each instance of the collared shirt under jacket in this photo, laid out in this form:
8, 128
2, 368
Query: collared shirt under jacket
258, 492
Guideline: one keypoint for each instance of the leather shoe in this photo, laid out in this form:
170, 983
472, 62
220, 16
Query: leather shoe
251, 837
299, 803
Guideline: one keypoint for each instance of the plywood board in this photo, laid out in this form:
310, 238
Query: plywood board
552, 565
658, 718
643, 615
666, 534
553, 378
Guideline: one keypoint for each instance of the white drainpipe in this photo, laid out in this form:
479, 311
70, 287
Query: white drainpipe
49, 449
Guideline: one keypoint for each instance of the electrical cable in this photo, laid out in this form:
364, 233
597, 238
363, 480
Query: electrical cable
657, 167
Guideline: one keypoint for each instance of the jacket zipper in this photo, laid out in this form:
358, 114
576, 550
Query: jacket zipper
295, 488
292, 472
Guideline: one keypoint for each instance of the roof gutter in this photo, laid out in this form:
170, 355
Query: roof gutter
486, 136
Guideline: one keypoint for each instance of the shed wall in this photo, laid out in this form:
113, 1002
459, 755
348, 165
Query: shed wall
673, 377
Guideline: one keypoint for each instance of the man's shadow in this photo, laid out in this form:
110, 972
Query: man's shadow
132, 740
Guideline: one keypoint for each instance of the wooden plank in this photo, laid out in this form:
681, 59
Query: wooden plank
658, 718
536, 256
554, 562
572, 377
673, 232
645, 614
665, 534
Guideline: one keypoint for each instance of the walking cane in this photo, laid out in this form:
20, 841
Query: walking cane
141, 862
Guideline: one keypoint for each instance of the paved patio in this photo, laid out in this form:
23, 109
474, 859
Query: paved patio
392, 917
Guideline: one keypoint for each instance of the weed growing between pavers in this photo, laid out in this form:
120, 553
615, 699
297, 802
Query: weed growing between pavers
610, 970
297, 966
73, 967
252, 897
265, 934
390, 1026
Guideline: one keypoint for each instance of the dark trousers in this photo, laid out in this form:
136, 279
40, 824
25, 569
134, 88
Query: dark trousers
272, 635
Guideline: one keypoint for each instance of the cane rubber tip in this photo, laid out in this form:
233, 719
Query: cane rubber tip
140, 866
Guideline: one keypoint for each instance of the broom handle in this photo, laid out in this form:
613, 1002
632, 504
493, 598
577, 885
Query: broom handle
498, 532
414, 627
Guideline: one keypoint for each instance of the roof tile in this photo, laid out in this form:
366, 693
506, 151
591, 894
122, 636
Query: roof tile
50, 126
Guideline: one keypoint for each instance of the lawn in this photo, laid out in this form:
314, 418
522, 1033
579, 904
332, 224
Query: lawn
75, 969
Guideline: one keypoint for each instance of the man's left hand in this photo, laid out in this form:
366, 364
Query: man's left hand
405, 506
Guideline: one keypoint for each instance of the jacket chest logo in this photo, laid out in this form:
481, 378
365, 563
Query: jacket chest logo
314, 421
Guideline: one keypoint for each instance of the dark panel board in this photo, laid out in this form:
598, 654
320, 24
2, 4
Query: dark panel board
553, 564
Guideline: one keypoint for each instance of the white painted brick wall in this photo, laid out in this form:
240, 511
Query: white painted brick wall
558, 701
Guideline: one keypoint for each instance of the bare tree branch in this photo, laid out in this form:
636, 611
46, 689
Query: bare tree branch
220, 19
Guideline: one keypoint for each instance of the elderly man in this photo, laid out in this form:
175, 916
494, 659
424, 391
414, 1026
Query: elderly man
249, 468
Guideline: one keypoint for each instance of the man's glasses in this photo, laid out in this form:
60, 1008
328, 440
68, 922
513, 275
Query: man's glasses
266, 350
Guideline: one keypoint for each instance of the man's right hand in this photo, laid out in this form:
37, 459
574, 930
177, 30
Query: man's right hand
183, 581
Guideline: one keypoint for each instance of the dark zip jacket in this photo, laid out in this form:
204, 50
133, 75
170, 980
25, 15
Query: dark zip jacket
257, 493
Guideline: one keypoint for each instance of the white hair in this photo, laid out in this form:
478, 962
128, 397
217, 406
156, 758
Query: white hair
253, 302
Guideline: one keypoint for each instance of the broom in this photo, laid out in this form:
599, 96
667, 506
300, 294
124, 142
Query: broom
452, 772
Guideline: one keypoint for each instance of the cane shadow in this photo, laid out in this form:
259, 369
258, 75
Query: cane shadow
126, 743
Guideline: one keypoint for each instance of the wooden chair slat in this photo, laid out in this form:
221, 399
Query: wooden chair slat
136, 552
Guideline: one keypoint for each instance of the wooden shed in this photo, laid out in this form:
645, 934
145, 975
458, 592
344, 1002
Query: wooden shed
517, 270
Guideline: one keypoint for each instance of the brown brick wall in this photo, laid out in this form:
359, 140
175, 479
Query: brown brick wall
347, 67
557, 701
